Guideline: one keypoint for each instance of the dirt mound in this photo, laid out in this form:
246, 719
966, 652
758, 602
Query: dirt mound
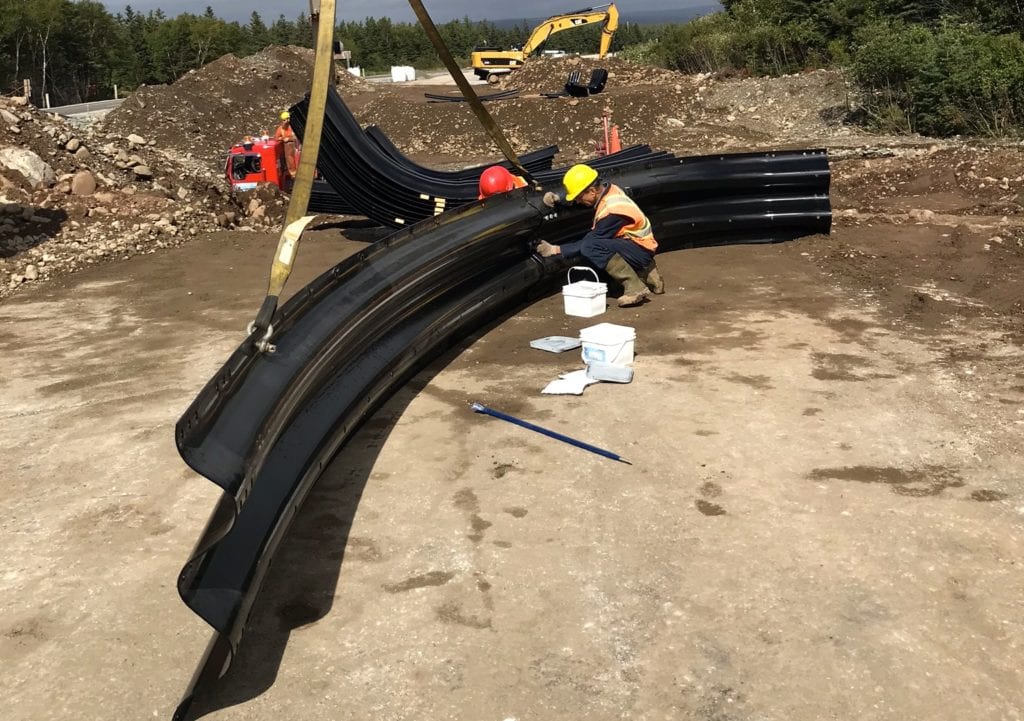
546, 75
73, 196
204, 112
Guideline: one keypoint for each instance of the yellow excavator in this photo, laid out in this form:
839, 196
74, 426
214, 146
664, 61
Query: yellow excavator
489, 63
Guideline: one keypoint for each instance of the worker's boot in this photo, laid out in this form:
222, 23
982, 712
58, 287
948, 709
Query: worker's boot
652, 278
634, 292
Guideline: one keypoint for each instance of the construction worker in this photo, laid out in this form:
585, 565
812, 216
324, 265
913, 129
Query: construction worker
496, 179
286, 135
621, 240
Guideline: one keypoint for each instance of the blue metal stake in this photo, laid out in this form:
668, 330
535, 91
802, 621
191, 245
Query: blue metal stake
551, 434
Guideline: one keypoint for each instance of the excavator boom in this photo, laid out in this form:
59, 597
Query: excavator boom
489, 62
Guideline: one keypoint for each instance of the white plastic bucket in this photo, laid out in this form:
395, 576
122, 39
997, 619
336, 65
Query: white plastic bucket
608, 343
584, 298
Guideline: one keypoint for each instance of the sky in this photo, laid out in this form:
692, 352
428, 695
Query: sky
440, 10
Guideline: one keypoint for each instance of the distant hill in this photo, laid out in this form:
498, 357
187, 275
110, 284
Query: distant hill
641, 17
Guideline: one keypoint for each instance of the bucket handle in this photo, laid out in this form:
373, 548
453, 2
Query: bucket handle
568, 273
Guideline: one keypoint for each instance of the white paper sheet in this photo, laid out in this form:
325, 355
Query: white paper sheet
569, 384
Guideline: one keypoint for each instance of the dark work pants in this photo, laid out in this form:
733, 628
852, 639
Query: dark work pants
599, 251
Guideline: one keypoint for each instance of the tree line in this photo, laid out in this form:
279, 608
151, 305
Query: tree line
939, 67
78, 51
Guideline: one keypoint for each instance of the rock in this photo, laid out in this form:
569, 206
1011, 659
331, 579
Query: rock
83, 183
18, 101
142, 171
182, 193
63, 187
128, 190
34, 168
82, 155
135, 160
73, 145
922, 215
136, 139
104, 197
17, 279
122, 156
9, 117
31, 272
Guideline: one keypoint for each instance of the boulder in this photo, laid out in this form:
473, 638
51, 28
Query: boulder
9, 117
73, 145
142, 171
136, 139
34, 168
83, 155
83, 183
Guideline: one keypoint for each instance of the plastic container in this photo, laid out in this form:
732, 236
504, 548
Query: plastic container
608, 343
584, 298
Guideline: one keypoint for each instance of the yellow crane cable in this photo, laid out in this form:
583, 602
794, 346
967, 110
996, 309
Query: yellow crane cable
296, 219
467, 91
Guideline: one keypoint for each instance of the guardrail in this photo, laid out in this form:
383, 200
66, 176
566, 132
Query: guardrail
97, 106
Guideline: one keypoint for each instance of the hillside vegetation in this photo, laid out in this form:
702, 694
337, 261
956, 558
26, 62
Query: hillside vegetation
938, 67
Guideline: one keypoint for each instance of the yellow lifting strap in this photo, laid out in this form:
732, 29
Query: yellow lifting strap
296, 220
467, 92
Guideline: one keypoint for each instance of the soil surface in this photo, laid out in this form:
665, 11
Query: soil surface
823, 517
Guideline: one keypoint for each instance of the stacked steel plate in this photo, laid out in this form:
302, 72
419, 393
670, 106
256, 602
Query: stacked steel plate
374, 179
266, 424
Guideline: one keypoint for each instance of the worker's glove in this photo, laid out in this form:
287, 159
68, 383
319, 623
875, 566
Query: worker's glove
551, 199
546, 250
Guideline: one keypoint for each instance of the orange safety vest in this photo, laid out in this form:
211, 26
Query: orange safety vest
616, 202
285, 133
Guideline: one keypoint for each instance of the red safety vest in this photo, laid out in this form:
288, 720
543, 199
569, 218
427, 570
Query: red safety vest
616, 202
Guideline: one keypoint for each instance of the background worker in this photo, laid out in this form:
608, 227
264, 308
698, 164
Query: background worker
286, 135
621, 240
497, 179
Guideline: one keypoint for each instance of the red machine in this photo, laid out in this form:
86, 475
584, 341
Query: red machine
258, 160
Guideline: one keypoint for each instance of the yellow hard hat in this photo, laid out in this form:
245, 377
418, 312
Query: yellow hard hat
285, 115
577, 179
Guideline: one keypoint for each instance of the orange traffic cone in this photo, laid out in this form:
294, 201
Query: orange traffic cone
614, 145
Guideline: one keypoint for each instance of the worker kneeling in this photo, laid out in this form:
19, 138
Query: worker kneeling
620, 241
496, 179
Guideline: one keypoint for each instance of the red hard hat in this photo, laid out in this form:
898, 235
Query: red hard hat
494, 180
